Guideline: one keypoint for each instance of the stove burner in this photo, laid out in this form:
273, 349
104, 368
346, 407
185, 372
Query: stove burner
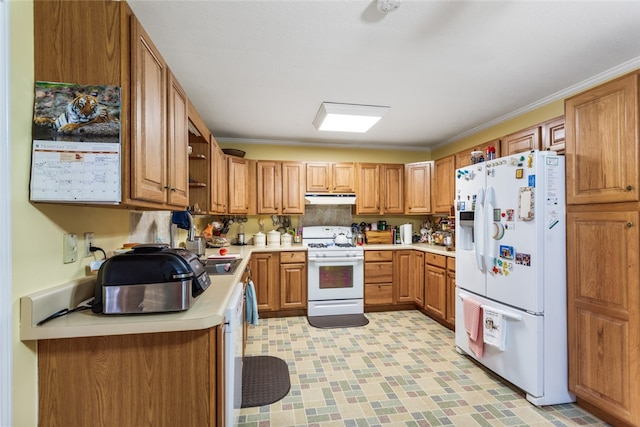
317, 245
330, 245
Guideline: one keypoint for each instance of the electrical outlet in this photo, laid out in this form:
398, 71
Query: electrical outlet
88, 242
70, 248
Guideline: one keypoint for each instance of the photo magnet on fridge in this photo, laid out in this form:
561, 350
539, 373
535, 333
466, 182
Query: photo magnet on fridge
506, 252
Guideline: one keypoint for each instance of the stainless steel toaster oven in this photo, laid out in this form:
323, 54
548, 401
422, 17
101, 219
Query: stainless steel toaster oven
149, 279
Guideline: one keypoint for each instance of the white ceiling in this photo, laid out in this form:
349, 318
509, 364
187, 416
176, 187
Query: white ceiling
259, 70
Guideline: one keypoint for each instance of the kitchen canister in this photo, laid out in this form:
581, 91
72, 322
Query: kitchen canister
273, 238
259, 239
285, 239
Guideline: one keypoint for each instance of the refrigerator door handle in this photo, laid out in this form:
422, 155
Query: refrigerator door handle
506, 314
488, 214
478, 230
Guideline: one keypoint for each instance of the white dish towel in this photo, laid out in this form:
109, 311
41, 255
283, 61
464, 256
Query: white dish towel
494, 327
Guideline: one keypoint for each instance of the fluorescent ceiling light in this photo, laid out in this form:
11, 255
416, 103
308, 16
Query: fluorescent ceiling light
348, 117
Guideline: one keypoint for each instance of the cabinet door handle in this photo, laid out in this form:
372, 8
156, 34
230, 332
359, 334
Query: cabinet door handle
166, 187
629, 187
629, 224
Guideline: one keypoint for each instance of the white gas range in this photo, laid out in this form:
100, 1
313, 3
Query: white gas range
336, 271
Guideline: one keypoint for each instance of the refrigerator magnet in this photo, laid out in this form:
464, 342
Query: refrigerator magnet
523, 259
525, 204
510, 214
506, 252
519, 173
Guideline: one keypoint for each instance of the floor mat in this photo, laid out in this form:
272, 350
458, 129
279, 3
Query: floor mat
265, 380
338, 321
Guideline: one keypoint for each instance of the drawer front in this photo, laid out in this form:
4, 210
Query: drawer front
451, 263
378, 294
378, 256
378, 272
437, 260
298, 256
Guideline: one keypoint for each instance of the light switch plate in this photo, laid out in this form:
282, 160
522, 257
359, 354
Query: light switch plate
70, 248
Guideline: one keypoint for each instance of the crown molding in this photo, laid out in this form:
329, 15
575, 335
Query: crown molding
609, 74
322, 144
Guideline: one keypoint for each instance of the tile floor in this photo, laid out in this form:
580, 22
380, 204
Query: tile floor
399, 370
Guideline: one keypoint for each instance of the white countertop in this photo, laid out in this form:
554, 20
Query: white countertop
206, 312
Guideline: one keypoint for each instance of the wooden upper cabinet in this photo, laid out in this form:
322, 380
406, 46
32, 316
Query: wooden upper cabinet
318, 177
149, 176
177, 143
293, 187
343, 177
152, 104
280, 187
368, 188
417, 180
269, 187
444, 188
327, 177
105, 35
238, 169
380, 188
463, 158
553, 135
219, 179
521, 141
392, 186
602, 143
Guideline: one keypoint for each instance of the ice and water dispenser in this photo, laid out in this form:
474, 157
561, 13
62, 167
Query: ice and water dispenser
465, 230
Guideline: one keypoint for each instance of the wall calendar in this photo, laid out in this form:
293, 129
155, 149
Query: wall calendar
76, 151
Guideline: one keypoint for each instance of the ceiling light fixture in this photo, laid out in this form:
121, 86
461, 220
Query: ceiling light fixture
387, 6
348, 117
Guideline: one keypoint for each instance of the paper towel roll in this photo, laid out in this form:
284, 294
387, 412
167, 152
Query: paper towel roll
406, 234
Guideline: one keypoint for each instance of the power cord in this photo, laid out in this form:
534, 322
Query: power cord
93, 249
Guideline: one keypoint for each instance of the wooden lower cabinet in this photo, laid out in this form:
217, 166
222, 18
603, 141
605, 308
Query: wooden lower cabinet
435, 279
402, 277
293, 277
417, 271
156, 379
603, 290
265, 272
450, 317
280, 280
378, 278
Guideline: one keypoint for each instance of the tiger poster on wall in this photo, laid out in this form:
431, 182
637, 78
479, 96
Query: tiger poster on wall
76, 152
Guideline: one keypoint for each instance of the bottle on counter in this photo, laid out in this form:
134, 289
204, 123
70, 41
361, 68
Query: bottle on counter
241, 234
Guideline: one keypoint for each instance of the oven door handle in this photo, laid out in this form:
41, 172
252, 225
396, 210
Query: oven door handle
336, 259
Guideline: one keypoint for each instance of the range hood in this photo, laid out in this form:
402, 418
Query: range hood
330, 199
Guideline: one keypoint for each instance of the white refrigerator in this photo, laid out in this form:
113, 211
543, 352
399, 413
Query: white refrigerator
511, 260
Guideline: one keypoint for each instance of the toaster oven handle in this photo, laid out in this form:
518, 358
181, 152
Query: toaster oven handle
182, 275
